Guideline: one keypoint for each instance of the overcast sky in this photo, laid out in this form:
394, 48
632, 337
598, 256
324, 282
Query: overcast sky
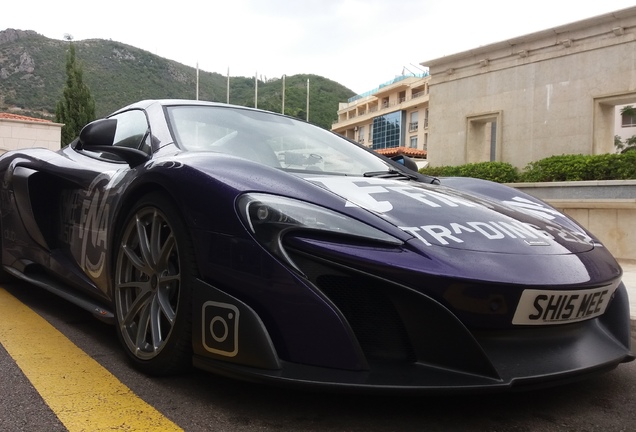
358, 43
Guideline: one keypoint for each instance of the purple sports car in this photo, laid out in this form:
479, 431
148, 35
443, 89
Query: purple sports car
257, 246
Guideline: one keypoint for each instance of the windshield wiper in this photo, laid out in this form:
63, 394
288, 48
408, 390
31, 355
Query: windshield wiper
390, 174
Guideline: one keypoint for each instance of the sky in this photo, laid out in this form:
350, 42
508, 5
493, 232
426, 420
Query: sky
357, 43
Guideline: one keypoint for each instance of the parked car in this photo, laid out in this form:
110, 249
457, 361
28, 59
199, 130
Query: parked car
258, 246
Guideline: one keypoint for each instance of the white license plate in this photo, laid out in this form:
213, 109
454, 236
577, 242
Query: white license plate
541, 307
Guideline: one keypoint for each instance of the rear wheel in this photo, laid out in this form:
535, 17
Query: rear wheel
153, 287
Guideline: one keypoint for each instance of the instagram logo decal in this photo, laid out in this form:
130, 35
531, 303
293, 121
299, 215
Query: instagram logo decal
220, 328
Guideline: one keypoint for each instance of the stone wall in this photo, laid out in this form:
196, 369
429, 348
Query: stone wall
606, 208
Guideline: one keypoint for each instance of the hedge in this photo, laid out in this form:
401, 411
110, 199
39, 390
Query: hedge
500, 172
554, 168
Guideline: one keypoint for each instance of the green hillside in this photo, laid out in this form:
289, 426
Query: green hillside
32, 75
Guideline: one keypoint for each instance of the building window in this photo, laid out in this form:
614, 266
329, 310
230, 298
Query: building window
387, 130
413, 123
413, 143
483, 138
628, 116
425, 147
361, 134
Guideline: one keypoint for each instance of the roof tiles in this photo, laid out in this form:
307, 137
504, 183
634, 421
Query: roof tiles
410, 152
9, 116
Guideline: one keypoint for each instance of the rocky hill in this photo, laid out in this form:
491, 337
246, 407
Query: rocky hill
32, 75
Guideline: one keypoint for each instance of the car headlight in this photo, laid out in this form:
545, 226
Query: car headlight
269, 217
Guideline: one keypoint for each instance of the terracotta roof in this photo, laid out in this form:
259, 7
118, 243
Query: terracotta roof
10, 116
410, 152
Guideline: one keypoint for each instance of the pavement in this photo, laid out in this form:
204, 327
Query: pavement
629, 279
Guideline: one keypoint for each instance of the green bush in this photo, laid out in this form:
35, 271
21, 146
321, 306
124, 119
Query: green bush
581, 167
500, 172
554, 168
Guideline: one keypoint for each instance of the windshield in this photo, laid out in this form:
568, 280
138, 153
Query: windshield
270, 139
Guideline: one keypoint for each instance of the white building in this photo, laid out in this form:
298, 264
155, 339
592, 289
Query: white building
18, 132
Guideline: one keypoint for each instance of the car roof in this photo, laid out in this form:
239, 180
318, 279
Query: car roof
144, 104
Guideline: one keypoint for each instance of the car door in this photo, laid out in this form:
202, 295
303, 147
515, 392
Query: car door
87, 208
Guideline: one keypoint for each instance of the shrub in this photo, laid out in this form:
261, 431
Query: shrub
500, 172
554, 168
581, 167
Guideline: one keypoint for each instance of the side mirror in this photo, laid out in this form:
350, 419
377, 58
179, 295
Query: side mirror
99, 136
406, 161
98, 133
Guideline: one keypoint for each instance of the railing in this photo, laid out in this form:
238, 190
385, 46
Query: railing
393, 81
353, 112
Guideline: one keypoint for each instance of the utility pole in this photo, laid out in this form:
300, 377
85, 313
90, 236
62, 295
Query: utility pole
307, 110
283, 109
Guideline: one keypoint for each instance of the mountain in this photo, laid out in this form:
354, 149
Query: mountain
32, 76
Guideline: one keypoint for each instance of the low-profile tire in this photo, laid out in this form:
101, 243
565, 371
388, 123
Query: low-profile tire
154, 270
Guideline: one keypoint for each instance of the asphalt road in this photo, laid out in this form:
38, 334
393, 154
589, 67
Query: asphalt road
202, 402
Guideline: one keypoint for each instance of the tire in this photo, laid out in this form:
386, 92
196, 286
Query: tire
154, 270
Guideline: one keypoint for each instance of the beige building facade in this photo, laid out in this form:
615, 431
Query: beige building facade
18, 132
393, 116
547, 93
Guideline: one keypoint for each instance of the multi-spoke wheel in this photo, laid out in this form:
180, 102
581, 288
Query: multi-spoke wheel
152, 287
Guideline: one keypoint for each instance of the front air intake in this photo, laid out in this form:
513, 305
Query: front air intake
370, 313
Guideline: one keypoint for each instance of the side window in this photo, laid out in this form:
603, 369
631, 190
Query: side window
132, 130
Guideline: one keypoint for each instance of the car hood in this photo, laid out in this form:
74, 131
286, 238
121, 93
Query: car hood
436, 215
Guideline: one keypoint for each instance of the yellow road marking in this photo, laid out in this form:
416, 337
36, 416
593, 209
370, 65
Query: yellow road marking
83, 395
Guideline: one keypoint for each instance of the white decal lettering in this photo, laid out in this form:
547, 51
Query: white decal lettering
94, 225
357, 195
541, 232
414, 232
519, 229
533, 208
441, 233
459, 228
416, 194
488, 231
503, 229
450, 200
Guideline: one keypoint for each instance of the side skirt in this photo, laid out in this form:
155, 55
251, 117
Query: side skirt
98, 309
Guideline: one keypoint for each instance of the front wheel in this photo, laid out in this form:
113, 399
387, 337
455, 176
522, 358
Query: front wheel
153, 287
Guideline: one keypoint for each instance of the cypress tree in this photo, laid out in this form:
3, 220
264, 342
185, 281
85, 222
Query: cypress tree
77, 106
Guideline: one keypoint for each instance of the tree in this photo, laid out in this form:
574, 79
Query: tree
628, 111
628, 145
77, 106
